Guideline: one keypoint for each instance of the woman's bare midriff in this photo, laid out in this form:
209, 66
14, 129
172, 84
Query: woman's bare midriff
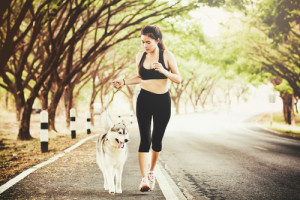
157, 86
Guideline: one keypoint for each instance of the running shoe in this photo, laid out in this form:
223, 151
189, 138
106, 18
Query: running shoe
144, 186
151, 179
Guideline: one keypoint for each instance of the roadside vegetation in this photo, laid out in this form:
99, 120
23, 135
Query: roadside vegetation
17, 156
278, 124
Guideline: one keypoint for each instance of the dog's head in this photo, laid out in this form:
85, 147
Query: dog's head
118, 135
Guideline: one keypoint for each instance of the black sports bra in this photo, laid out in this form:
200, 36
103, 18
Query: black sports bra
147, 74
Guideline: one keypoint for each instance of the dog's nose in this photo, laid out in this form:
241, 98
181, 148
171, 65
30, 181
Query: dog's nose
126, 140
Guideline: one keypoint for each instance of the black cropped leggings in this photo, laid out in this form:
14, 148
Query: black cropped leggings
157, 106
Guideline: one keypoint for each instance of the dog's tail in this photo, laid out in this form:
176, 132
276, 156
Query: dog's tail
99, 148
106, 121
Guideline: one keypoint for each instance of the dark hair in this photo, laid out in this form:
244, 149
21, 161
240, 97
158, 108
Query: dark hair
154, 33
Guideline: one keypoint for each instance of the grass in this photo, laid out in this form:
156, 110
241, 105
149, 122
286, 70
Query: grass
278, 124
17, 156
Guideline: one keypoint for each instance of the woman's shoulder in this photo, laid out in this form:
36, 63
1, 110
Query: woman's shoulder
168, 54
139, 56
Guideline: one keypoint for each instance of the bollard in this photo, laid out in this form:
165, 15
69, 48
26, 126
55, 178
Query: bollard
44, 131
88, 123
73, 123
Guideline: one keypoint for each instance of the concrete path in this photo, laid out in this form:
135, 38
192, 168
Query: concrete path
77, 176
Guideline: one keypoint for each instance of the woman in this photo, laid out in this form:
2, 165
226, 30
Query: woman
154, 67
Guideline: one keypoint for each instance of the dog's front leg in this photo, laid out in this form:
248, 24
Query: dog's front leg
110, 179
105, 179
119, 180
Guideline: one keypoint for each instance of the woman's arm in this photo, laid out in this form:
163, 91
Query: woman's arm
131, 81
173, 74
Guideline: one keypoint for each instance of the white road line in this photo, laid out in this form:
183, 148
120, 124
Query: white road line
27, 172
164, 185
169, 188
21, 176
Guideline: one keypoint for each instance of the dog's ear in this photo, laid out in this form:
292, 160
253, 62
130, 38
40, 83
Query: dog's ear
114, 129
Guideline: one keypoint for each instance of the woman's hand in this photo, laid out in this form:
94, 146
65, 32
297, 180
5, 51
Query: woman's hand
158, 67
118, 83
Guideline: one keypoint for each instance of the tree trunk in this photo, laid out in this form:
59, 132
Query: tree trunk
51, 116
68, 97
45, 92
176, 101
6, 100
53, 106
92, 113
177, 107
24, 133
20, 102
131, 98
186, 106
92, 101
238, 99
176, 104
288, 107
44, 99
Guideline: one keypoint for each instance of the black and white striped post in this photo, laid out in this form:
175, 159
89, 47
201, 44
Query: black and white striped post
44, 131
88, 123
73, 123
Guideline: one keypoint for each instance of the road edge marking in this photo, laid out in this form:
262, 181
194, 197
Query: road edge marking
165, 186
21, 176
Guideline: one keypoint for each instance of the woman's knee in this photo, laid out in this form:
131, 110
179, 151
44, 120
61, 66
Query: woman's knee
145, 146
157, 143
156, 146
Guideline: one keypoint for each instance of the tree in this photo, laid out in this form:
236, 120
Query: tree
279, 56
51, 31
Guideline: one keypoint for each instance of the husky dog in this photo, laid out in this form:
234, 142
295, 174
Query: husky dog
111, 154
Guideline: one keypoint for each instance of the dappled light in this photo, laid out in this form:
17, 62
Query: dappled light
228, 71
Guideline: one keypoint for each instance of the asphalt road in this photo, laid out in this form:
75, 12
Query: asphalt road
225, 156
208, 156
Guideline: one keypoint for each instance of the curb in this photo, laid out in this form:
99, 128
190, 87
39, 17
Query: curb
21, 176
275, 132
266, 129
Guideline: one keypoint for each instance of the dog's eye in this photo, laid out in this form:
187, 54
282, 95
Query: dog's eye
120, 132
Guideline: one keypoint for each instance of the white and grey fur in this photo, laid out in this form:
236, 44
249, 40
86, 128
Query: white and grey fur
111, 155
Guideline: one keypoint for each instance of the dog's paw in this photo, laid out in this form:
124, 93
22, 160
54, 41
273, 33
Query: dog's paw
119, 191
111, 192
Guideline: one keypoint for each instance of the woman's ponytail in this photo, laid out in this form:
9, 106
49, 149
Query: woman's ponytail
161, 44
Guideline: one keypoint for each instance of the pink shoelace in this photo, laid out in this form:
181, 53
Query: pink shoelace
144, 180
150, 178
